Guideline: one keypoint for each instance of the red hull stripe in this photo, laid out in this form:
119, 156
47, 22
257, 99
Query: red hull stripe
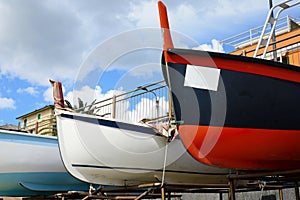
237, 64
243, 148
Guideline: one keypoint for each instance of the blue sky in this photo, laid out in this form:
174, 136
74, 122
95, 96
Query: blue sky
102, 45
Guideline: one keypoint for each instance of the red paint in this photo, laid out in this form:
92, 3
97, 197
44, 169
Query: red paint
164, 24
245, 148
235, 65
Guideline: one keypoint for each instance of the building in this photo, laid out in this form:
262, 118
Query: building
41, 121
9, 127
285, 48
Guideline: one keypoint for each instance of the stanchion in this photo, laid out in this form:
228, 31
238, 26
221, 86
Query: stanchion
297, 190
221, 196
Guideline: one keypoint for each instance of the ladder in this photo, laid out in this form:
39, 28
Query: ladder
272, 21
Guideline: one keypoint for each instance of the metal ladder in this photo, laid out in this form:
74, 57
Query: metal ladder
272, 21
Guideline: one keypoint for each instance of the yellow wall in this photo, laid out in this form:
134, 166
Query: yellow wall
43, 126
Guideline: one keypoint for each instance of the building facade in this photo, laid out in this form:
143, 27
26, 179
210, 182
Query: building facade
41, 121
285, 44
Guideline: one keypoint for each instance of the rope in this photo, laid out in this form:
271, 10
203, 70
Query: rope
169, 91
165, 163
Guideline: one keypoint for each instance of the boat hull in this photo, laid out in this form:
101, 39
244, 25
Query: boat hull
237, 112
31, 165
109, 152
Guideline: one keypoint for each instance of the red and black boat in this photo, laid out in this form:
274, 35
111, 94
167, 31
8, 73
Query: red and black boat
233, 111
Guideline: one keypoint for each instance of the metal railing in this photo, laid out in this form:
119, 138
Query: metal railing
148, 102
251, 36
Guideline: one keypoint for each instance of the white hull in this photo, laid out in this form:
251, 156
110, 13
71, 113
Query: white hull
29, 155
102, 151
31, 165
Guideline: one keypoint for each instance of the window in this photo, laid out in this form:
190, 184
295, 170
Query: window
39, 116
285, 60
25, 123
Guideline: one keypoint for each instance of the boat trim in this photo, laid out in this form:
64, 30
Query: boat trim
114, 124
142, 169
234, 63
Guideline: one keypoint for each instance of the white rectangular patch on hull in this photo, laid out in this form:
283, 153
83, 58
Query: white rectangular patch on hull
202, 77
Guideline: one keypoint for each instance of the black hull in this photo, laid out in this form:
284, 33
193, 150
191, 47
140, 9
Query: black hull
242, 100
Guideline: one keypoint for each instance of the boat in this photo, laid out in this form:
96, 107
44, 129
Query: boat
116, 152
234, 111
31, 166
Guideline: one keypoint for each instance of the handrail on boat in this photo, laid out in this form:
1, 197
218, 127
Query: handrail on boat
144, 102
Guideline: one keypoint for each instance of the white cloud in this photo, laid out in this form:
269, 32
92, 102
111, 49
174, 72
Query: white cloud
202, 20
48, 95
51, 38
88, 94
215, 46
145, 71
144, 109
7, 103
29, 90
144, 13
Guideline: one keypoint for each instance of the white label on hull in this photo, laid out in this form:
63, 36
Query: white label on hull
202, 77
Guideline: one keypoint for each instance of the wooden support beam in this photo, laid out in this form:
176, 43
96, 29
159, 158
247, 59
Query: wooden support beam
231, 193
162, 193
280, 194
143, 194
114, 105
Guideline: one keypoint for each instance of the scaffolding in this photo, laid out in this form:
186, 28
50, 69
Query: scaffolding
258, 182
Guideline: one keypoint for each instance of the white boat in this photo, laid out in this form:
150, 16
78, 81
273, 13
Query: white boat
31, 165
112, 152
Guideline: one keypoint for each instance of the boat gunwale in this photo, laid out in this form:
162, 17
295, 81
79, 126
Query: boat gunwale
118, 123
26, 134
179, 51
